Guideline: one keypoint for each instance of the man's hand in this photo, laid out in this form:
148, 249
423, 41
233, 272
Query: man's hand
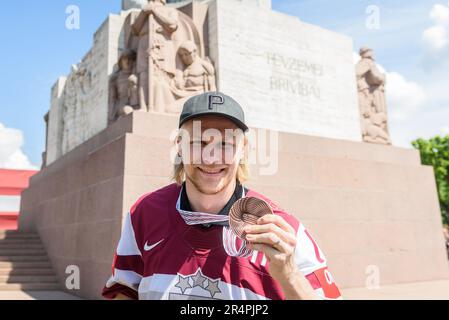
277, 240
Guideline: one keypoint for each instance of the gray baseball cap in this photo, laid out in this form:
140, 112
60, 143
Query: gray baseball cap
213, 103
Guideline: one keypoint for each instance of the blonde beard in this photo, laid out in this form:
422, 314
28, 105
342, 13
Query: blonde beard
203, 190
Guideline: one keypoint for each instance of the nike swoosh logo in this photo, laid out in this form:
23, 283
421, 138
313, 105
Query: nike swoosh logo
149, 248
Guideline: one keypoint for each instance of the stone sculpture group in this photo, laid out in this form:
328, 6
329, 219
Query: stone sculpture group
162, 65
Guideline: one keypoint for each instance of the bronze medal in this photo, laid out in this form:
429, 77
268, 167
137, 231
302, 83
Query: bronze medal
247, 211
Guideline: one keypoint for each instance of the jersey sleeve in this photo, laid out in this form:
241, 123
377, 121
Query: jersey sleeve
127, 267
312, 263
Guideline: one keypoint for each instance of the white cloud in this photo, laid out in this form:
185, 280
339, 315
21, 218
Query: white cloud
440, 14
403, 97
437, 36
11, 154
425, 124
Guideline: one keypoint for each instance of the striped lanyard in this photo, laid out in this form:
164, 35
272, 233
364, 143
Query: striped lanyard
233, 246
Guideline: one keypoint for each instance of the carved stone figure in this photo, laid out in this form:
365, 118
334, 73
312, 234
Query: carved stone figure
123, 87
372, 102
169, 57
154, 27
198, 75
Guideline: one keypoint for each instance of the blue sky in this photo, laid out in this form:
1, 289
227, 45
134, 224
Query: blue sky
37, 49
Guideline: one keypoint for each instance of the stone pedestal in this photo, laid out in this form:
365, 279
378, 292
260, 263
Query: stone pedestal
367, 205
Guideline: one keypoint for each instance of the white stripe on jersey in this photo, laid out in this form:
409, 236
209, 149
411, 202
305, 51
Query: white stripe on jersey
127, 278
127, 245
305, 256
163, 287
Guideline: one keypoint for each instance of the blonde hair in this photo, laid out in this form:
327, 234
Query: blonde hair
242, 171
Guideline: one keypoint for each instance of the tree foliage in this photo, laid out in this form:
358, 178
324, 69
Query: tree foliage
435, 152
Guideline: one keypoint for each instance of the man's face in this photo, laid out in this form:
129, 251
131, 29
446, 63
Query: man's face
211, 149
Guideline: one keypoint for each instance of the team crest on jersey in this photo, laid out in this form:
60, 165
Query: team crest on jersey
196, 286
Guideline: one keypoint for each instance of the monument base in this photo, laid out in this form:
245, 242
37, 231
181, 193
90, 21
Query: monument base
373, 209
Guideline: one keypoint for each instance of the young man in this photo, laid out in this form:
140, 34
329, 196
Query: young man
176, 242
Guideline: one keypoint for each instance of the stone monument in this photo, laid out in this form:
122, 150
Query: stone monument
111, 119
290, 78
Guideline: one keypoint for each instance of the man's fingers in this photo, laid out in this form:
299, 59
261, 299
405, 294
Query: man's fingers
272, 228
277, 220
269, 251
270, 239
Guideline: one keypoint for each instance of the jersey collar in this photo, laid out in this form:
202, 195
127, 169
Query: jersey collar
207, 219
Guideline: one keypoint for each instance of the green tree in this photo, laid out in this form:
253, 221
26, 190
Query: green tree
435, 152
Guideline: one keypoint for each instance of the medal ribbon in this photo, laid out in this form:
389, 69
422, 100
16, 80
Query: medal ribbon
230, 240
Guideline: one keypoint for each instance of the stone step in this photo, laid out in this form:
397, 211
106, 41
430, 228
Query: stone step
23, 258
22, 252
17, 235
27, 279
30, 287
26, 271
13, 246
25, 264
16, 232
21, 240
